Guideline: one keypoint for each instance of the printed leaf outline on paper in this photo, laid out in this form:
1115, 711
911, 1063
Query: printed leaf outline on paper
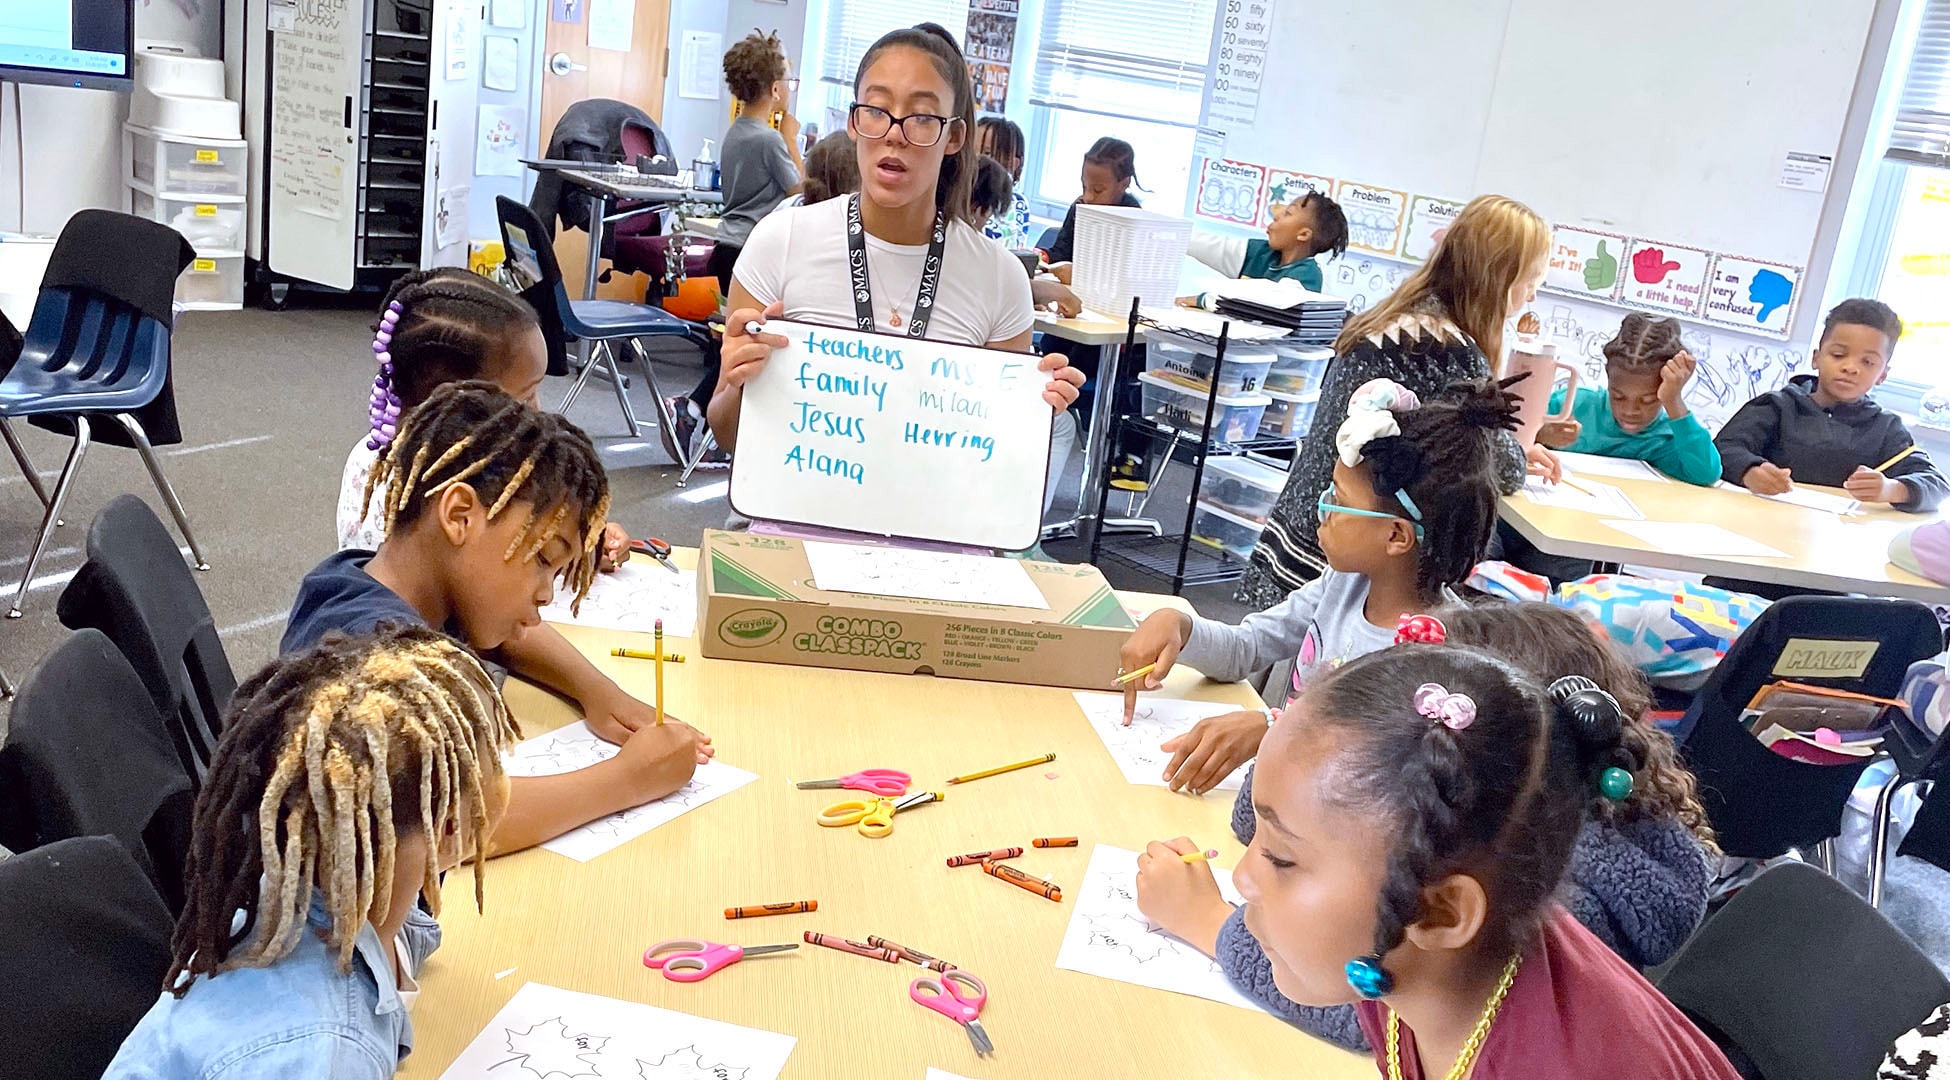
547, 1049
685, 1063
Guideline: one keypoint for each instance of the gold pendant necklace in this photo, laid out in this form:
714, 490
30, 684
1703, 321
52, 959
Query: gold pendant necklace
1473, 1045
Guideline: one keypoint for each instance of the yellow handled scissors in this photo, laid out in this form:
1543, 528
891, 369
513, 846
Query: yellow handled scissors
875, 816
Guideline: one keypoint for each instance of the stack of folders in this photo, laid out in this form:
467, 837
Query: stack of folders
1313, 318
1818, 724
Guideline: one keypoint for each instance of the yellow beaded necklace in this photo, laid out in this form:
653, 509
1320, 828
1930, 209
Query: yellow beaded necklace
1472, 1045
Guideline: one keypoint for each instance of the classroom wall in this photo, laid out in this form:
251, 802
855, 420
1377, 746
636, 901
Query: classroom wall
689, 121
481, 221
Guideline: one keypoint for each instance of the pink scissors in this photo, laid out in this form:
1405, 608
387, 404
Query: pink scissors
885, 782
688, 960
958, 996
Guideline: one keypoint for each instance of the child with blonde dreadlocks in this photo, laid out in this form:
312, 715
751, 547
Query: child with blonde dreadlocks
487, 504
349, 776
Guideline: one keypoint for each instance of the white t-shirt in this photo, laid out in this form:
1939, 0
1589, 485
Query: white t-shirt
355, 531
798, 256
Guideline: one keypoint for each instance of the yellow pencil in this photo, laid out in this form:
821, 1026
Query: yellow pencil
639, 654
1580, 487
1884, 467
1002, 769
1199, 856
658, 656
1132, 676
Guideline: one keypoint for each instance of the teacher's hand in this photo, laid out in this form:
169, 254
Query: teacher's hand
745, 353
1065, 382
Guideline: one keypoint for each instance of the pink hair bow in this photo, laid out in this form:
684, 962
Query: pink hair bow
1453, 711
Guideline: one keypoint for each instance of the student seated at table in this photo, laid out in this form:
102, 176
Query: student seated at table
489, 503
1109, 173
1417, 810
993, 189
1409, 515
1639, 871
350, 775
1000, 138
1300, 230
1825, 429
1641, 413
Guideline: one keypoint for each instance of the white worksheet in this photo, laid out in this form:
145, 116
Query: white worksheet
922, 575
1135, 748
634, 597
1697, 538
1816, 500
547, 1033
1574, 464
1110, 938
1590, 496
573, 747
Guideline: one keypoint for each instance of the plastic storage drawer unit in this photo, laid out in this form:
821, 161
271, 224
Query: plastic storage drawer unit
1224, 530
1190, 362
1180, 407
1243, 486
1290, 415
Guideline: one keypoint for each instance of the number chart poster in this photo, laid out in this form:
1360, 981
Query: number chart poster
1585, 263
1375, 217
1230, 191
894, 436
991, 50
1751, 295
1245, 32
1283, 186
1665, 277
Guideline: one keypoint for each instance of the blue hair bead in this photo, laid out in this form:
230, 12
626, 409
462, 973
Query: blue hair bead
1368, 978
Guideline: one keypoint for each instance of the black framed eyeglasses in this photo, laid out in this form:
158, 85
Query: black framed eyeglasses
921, 129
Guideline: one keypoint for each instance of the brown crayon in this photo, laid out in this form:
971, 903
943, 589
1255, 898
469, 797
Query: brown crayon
975, 857
843, 945
753, 911
914, 956
1054, 841
1049, 890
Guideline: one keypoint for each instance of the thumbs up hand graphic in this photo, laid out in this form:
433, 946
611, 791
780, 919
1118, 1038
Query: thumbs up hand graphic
1600, 270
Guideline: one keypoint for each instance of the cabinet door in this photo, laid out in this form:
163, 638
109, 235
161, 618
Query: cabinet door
453, 94
314, 142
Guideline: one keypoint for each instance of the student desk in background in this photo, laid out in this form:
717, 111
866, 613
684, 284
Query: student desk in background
1825, 550
1089, 328
584, 926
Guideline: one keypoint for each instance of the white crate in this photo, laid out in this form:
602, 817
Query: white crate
212, 283
180, 165
1124, 252
211, 223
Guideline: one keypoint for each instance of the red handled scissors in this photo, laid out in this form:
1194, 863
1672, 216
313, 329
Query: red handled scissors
958, 996
656, 549
688, 960
884, 782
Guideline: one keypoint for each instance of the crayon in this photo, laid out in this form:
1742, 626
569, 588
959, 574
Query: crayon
753, 911
843, 945
1054, 841
1002, 769
1049, 890
639, 654
914, 956
984, 856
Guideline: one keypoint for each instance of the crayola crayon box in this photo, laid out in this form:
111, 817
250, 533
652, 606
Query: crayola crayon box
758, 600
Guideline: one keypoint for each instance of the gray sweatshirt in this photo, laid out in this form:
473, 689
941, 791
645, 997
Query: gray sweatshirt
1320, 623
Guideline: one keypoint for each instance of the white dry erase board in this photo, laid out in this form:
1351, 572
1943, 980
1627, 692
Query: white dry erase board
894, 436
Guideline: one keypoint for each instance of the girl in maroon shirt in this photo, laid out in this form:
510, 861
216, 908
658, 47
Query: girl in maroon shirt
1416, 812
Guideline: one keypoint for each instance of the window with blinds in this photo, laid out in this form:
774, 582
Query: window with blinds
852, 26
1138, 59
1922, 129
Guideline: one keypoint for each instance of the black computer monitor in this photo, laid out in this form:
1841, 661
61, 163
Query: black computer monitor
84, 43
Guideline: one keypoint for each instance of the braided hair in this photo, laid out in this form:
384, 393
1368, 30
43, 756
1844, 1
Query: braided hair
1330, 223
437, 326
471, 432
336, 752
1644, 343
1445, 459
1500, 797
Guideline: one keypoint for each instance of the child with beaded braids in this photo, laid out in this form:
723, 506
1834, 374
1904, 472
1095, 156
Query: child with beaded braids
1410, 512
486, 504
1417, 809
349, 776
436, 327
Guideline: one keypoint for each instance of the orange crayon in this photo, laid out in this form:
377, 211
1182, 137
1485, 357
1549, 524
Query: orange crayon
756, 910
984, 856
1054, 841
843, 945
1048, 890
914, 956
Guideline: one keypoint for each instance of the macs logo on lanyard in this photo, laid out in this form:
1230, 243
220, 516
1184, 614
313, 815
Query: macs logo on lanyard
856, 242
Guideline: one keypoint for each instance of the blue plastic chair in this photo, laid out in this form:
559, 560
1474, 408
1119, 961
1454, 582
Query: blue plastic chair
602, 323
87, 355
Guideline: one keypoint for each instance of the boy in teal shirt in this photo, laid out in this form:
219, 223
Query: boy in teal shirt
1300, 230
1642, 412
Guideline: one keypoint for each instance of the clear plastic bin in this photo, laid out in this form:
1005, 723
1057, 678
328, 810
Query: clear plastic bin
1297, 369
1243, 486
188, 166
1176, 406
1186, 361
1290, 415
207, 225
1217, 527
212, 283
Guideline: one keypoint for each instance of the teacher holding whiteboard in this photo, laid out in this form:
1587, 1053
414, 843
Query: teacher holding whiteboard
900, 257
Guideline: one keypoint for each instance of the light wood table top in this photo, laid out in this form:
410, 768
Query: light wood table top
1825, 551
584, 926
1090, 328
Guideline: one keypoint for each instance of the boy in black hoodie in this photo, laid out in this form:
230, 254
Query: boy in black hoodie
1824, 429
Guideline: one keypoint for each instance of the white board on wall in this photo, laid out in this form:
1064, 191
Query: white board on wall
894, 436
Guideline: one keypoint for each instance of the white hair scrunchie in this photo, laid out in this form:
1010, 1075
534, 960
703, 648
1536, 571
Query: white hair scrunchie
1371, 415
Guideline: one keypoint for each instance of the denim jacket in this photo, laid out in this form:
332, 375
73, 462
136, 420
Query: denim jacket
297, 1019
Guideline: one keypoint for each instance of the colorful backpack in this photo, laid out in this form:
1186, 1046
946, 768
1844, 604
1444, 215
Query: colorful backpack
1674, 631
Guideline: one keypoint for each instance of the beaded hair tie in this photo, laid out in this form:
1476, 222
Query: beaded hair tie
384, 407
